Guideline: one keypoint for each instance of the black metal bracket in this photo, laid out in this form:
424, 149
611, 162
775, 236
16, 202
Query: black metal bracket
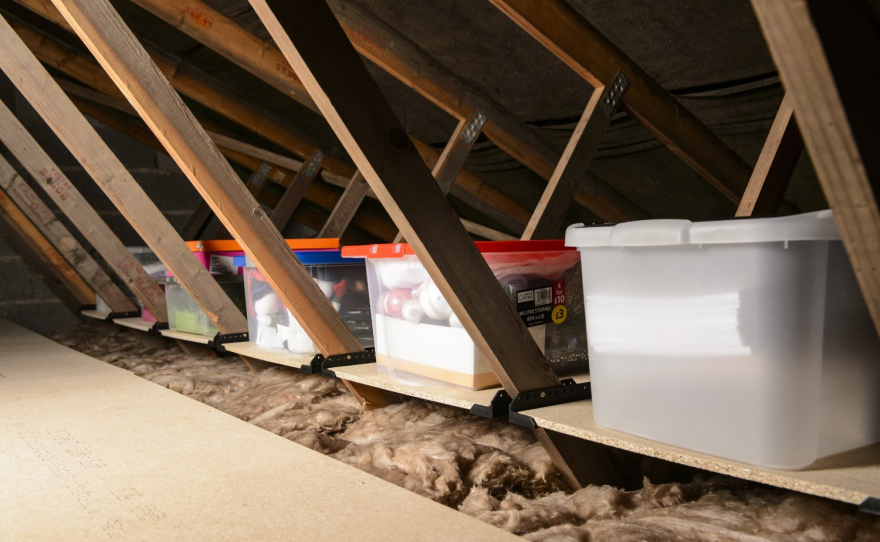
220, 339
314, 366
91, 307
128, 314
499, 406
871, 505
159, 326
568, 391
347, 360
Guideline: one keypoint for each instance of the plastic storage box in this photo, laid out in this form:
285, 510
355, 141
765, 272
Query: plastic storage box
185, 315
420, 341
343, 281
748, 339
226, 257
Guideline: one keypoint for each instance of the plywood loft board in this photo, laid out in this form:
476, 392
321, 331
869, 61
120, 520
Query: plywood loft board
90, 452
849, 477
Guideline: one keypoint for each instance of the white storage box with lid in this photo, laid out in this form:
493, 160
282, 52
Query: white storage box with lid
344, 281
747, 339
420, 341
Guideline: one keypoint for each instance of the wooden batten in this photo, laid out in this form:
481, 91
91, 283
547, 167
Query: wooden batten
71, 202
346, 207
142, 83
828, 55
43, 259
775, 166
47, 98
62, 240
341, 86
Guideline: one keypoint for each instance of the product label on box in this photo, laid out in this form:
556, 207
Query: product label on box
538, 306
223, 265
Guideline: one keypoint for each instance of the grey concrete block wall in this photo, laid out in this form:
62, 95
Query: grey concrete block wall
23, 297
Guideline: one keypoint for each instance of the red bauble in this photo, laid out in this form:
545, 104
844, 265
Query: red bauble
393, 300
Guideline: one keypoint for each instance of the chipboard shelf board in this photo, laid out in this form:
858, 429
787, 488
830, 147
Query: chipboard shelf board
278, 357
183, 336
135, 323
850, 477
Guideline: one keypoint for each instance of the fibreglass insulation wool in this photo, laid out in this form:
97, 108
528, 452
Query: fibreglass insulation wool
491, 470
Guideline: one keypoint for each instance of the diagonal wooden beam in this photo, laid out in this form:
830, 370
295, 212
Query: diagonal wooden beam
370, 221
346, 207
572, 167
469, 187
350, 100
142, 83
81, 139
828, 55
403, 59
296, 190
62, 240
568, 35
455, 153
74, 205
775, 165
43, 259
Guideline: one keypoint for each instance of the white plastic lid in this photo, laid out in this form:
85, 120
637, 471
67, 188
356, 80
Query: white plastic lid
817, 226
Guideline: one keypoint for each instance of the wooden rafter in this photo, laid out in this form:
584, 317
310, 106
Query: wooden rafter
142, 83
828, 55
241, 47
346, 207
72, 203
775, 166
576, 42
406, 61
84, 143
43, 259
341, 86
62, 240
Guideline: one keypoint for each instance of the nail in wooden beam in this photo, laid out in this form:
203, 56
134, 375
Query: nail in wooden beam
572, 167
267, 63
296, 190
828, 55
72, 203
456, 152
62, 240
42, 258
338, 81
568, 35
124, 59
81, 139
775, 166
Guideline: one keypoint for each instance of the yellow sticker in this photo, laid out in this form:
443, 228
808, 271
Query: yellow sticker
559, 314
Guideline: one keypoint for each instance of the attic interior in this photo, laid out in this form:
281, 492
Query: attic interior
237, 201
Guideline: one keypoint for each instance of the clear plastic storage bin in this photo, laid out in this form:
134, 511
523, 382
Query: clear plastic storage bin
226, 256
748, 339
343, 281
420, 341
185, 315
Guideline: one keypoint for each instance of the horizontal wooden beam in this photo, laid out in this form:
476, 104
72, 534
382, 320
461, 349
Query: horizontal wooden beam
828, 55
568, 35
62, 240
